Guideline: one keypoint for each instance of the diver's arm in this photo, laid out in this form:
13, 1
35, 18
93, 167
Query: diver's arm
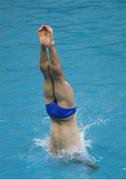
88, 163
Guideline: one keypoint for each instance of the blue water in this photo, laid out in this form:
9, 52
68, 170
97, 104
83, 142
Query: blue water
90, 38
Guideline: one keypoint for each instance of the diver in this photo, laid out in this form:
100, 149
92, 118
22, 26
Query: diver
59, 98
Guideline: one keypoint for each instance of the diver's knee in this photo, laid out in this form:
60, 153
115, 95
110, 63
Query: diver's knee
44, 67
56, 72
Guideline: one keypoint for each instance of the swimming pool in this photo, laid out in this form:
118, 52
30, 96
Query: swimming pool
90, 37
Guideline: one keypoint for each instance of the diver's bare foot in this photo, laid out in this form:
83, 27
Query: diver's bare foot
45, 34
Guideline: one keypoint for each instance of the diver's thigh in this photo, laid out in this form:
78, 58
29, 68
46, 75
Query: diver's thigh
48, 91
64, 93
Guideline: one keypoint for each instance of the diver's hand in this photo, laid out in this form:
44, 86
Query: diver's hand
92, 165
88, 163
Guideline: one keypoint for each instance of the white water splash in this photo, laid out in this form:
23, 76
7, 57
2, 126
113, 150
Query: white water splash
81, 155
95, 123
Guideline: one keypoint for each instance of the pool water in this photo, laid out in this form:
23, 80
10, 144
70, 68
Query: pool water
90, 38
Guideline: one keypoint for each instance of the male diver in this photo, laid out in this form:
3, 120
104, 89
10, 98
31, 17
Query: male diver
59, 98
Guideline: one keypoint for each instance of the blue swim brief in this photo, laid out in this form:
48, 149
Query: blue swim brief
55, 111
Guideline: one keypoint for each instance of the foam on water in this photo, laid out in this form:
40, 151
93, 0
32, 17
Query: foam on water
72, 155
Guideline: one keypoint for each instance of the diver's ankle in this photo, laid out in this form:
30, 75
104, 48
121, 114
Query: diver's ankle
43, 46
51, 44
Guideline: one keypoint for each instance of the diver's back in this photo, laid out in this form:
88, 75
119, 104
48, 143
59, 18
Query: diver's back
65, 134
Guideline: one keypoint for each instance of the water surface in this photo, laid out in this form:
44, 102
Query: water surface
90, 38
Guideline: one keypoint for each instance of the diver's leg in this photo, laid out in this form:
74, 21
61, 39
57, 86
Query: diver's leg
63, 91
45, 65
48, 80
